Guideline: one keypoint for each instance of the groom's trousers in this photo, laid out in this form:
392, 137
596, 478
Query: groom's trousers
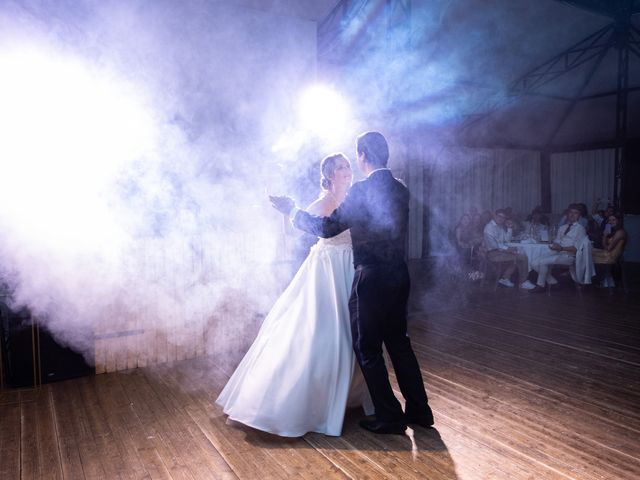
378, 310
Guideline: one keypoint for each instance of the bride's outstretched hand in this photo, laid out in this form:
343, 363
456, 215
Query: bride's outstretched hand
282, 204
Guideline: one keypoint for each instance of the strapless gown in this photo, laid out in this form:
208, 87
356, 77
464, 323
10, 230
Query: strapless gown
300, 373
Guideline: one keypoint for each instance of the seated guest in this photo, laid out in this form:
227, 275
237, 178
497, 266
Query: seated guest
605, 227
480, 221
537, 217
513, 225
597, 230
563, 249
613, 246
594, 232
465, 236
599, 217
513, 215
514, 221
584, 217
496, 237
563, 219
537, 225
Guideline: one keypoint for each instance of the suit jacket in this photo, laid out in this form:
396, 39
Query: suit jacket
376, 210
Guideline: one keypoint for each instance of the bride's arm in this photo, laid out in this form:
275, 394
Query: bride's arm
289, 229
322, 207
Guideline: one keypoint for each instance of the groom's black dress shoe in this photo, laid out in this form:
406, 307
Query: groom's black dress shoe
383, 427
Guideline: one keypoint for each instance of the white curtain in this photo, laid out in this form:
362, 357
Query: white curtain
451, 181
486, 179
458, 179
582, 177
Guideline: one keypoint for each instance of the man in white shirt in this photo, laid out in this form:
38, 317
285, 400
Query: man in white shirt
563, 249
496, 237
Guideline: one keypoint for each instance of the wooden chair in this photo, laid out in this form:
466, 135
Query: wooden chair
582, 268
487, 267
617, 264
572, 272
623, 275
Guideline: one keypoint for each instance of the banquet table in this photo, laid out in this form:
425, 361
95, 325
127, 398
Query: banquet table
533, 250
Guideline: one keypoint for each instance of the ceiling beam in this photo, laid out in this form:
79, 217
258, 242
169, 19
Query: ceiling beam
608, 8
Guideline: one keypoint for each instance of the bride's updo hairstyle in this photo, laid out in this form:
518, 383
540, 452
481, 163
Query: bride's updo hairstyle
328, 168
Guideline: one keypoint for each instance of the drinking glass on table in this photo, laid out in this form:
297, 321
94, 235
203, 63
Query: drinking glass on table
544, 234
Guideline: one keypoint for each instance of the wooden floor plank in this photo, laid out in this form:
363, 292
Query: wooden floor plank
68, 420
103, 443
208, 462
568, 413
75, 431
624, 349
29, 458
151, 448
589, 337
604, 370
171, 421
363, 455
181, 395
10, 440
482, 457
538, 371
571, 453
281, 460
40, 457
118, 415
591, 320
50, 459
523, 387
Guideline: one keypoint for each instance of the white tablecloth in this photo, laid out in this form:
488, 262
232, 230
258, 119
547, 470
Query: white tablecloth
533, 251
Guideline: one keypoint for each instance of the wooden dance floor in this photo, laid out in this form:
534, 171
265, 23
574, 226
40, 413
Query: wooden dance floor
522, 386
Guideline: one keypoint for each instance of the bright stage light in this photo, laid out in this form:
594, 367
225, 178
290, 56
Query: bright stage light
323, 111
67, 130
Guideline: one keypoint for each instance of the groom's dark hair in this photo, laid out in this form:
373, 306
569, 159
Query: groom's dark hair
375, 147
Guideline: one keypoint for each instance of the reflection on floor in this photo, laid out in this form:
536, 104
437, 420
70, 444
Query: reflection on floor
523, 387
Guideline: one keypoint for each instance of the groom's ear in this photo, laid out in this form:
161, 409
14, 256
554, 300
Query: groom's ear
362, 157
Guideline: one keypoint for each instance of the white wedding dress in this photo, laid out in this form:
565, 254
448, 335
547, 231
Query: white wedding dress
300, 373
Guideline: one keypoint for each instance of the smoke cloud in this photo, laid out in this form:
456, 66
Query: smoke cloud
137, 144
136, 149
437, 66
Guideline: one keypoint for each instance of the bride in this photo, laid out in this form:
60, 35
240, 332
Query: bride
300, 373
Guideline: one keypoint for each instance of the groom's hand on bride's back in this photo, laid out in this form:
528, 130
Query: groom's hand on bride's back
282, 204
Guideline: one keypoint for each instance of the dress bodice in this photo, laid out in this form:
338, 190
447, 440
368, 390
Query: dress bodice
343, 238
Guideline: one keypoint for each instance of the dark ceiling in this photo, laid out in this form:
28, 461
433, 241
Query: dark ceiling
531, 73
570, 98
610, 8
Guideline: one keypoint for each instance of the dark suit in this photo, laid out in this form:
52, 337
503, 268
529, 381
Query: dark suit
376, 210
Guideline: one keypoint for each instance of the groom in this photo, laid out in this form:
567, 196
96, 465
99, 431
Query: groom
376, 210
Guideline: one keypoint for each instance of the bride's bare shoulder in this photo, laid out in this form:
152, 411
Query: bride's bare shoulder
322, 207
